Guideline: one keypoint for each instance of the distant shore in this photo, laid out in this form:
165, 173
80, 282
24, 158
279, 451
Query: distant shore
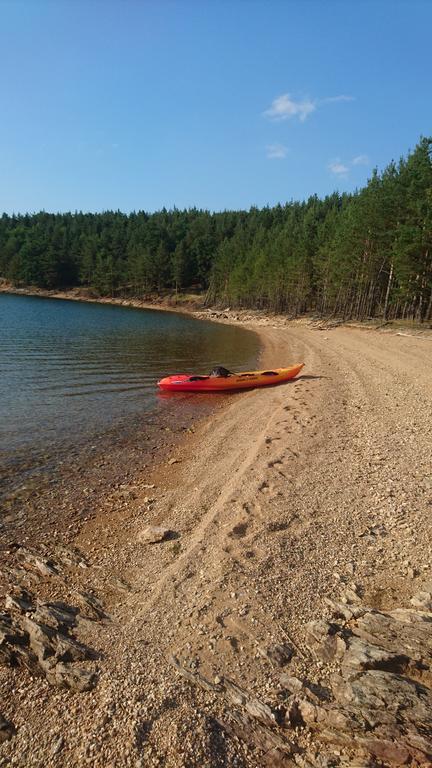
86, 295
194, 305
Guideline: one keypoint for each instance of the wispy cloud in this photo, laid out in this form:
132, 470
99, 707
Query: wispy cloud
286, 107
335, 99
341, 169
337, 167
360, 160
276, 151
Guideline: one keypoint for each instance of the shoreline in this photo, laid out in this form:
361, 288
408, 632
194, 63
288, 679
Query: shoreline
78, 294
252, 318
39, 485
280, 500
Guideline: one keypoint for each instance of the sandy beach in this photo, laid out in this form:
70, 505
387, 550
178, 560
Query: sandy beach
280, 500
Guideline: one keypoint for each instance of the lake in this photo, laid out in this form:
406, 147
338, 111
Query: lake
71, 372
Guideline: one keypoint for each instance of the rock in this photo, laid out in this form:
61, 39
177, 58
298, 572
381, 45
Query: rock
422, 600
92, 608
42, 639
252, 705
174, 461
153, 534
291, 683
342, 610
37, 636
13, 641
75, 678
350, 596
18, 602
7, 730
35, 561
58, 746
323, 639
194, 677
57, 615
279, 654
68, 649
385, 749
364, 656
71, 556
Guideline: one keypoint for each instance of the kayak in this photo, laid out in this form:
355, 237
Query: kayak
183, 382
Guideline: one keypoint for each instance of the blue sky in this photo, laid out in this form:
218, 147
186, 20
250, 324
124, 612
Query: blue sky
128, 104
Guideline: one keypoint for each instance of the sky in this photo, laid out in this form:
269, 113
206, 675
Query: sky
218, 104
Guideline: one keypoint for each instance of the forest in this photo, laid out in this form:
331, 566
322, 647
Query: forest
362, 255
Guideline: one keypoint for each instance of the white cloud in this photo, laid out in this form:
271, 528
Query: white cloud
276, 151
285, 107
360, 160
338, 168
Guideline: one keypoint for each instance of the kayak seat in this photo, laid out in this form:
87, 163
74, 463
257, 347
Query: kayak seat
269, 373
220, 372
198, 378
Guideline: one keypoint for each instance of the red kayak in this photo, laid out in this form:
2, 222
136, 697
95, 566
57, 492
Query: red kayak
183, 382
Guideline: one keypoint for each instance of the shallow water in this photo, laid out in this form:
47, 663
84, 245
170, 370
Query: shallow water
71, 372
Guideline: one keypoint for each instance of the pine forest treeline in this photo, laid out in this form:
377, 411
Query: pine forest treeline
367, 254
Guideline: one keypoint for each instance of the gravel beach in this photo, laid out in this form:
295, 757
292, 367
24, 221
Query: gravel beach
216, 557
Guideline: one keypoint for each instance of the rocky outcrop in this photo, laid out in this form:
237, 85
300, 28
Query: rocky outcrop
38, 636
375, 708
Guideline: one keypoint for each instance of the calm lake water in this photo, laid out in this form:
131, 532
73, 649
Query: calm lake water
70, 372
